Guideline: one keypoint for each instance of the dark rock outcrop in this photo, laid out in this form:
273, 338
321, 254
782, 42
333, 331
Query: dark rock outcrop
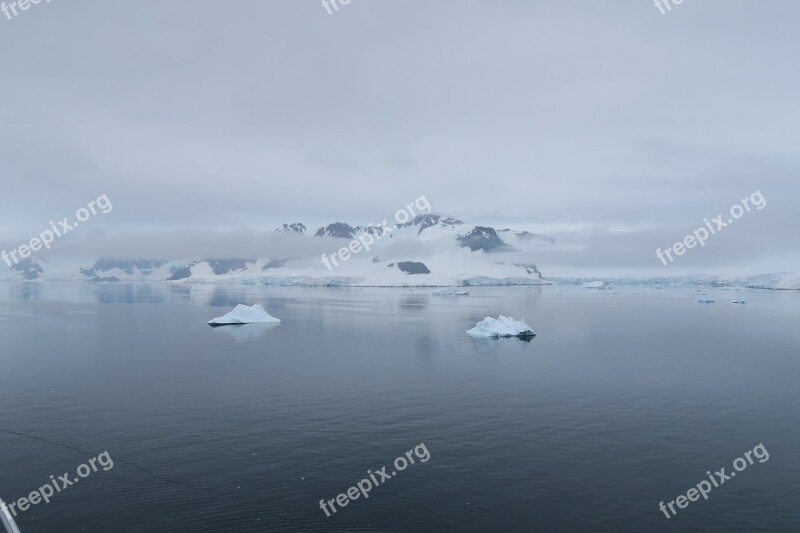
294, 227
483, 238
413, 267
339, 230
28, 269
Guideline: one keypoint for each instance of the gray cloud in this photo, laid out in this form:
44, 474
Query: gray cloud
582, 116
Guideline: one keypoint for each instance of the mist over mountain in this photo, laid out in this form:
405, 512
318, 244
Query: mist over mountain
430, 249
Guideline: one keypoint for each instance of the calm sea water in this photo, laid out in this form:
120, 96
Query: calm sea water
621, 401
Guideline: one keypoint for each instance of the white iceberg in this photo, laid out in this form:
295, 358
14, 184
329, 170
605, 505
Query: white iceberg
451, 291
593, 284
243, 314
501, 326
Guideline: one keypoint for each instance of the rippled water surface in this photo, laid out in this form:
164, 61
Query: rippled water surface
621, 401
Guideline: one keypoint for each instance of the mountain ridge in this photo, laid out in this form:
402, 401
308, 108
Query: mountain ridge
430, 249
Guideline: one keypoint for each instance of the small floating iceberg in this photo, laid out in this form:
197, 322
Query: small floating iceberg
704, 300
451, 291
738, 302
501, 326
243, 314
593, 284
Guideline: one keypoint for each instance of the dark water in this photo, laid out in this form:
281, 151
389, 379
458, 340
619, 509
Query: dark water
620, 402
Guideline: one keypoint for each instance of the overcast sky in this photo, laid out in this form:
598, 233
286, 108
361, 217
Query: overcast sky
606, 124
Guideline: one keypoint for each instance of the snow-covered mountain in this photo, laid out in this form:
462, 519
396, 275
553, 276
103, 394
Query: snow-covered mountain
295, 227
119, 269
428, 250
341, 230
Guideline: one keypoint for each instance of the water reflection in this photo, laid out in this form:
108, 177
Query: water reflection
244, 332
415, 302
492, 342
26, 291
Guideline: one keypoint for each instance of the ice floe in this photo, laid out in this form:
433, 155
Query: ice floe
451, 291
243, 314
501, 326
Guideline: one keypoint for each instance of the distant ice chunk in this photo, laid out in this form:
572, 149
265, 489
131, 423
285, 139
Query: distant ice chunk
738, 302
779, 281
593, 284
243, 314
705, 300
501, 326
451, 291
